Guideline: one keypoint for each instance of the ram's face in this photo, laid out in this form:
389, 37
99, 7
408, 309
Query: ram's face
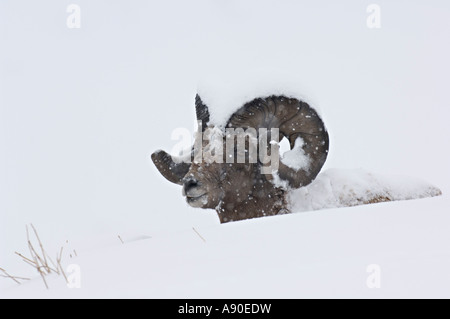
203, 185
210, 180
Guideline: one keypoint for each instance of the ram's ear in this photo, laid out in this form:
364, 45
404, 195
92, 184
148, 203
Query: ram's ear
172, 170
202, 112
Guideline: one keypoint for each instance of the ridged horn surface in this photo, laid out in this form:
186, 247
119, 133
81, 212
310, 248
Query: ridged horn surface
294, 119
173, 171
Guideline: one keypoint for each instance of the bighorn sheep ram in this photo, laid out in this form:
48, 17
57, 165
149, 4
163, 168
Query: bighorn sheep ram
247, 189
240, 190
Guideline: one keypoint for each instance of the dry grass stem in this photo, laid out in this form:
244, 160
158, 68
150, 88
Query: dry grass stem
204, 240
39, 259
14, 278
58, 260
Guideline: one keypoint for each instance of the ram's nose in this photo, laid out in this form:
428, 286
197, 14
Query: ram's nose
189, 185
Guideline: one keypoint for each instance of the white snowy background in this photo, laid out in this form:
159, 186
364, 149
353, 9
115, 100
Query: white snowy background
82, 109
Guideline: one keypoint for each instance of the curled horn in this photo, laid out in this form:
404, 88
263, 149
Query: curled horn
174, 169
294, 119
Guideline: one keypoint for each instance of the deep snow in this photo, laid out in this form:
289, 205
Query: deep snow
316, 254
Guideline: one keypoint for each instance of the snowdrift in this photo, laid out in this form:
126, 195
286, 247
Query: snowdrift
345, 187
324, 254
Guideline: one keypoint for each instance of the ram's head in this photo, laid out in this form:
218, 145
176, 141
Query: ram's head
236, 169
